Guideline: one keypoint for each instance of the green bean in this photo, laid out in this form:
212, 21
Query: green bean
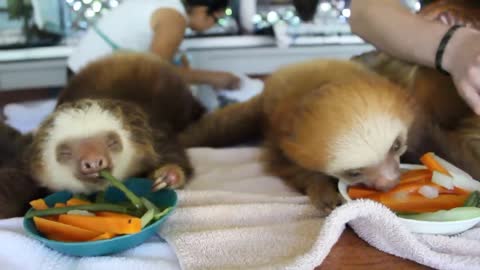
130, 195
147, 217
100, 197
473, 199
163, 213
88, 207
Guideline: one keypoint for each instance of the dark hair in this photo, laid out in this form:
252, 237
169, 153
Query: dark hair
213, 5
306, 9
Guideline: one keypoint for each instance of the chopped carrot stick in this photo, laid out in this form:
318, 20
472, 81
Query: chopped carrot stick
61, 238
39, 204
355, 192
117, 225
103, 236
77, 201
59, 204
416, 203
112, 214
416, 175
429, 161
63, 231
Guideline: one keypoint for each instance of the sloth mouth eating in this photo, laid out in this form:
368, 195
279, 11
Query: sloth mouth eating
92, 178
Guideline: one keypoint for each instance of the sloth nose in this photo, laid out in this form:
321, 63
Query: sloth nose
93, 164
385, 184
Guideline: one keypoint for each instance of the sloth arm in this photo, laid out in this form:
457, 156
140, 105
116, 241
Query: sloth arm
170, 151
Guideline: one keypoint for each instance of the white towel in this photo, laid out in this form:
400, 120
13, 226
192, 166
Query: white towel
234, 216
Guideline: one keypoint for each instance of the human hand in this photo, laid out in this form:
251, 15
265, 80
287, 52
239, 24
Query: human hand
224, 80
462, 60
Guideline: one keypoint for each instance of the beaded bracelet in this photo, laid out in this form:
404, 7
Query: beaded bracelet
442, 46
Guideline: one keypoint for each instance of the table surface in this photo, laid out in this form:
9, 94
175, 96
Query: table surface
351, 252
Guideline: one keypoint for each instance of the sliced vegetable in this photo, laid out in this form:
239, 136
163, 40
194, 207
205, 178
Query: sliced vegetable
100, 197
81, 197
39, 204
431, 163
455, 214
103, 236
416, 203
76, 201
356, 192
129, 194
117, 225
61, 231
443, 180
59, 204
111, 214
80, 212
461, 179
88, 207
473, 200
422, 175
163, 213
428, 192
147, 217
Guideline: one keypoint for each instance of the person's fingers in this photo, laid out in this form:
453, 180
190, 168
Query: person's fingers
473, 76
472, 97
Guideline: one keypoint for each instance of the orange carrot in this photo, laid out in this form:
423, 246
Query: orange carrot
39, 204
60, 204
77, 201
103, 236
61, 238
62, 231
416, 175
356, 192
117, 225
112, 214
416, 203
429, 161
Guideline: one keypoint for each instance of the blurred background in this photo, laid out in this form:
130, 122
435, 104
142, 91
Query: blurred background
253, 38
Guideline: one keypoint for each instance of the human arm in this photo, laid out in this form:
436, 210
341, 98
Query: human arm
391, 27
169, 27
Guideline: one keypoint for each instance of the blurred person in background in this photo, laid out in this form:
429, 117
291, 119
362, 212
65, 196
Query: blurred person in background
156, 26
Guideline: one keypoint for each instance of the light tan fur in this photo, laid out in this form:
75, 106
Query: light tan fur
348, 112
318, 119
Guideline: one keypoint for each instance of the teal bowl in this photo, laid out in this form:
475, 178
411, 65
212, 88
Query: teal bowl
142, 187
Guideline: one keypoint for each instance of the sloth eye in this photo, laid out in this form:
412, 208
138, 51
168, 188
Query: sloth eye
113, 142
64, 153
353, 173
396, 146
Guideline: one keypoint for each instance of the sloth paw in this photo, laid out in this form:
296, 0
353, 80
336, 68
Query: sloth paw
327, 204
325, 199
169, 175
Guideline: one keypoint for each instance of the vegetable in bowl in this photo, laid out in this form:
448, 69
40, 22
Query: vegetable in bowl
435, 197
103, 223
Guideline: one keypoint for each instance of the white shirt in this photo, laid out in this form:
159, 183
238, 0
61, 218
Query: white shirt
128, 26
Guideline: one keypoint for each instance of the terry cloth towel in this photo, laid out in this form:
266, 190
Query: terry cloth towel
234, 216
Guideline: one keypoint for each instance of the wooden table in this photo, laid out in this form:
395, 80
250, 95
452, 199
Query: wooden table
351, 252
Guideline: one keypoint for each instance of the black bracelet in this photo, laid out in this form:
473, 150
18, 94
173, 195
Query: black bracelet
442, 46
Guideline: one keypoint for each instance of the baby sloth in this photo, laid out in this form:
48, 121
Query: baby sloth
320, 120
83, 137
121, 113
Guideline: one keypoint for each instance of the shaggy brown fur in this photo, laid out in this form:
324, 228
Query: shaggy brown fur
144, 92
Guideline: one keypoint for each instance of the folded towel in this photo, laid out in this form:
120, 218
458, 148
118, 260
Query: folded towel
235, 216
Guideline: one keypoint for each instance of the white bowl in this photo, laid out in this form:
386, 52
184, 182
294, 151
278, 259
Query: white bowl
421, 226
